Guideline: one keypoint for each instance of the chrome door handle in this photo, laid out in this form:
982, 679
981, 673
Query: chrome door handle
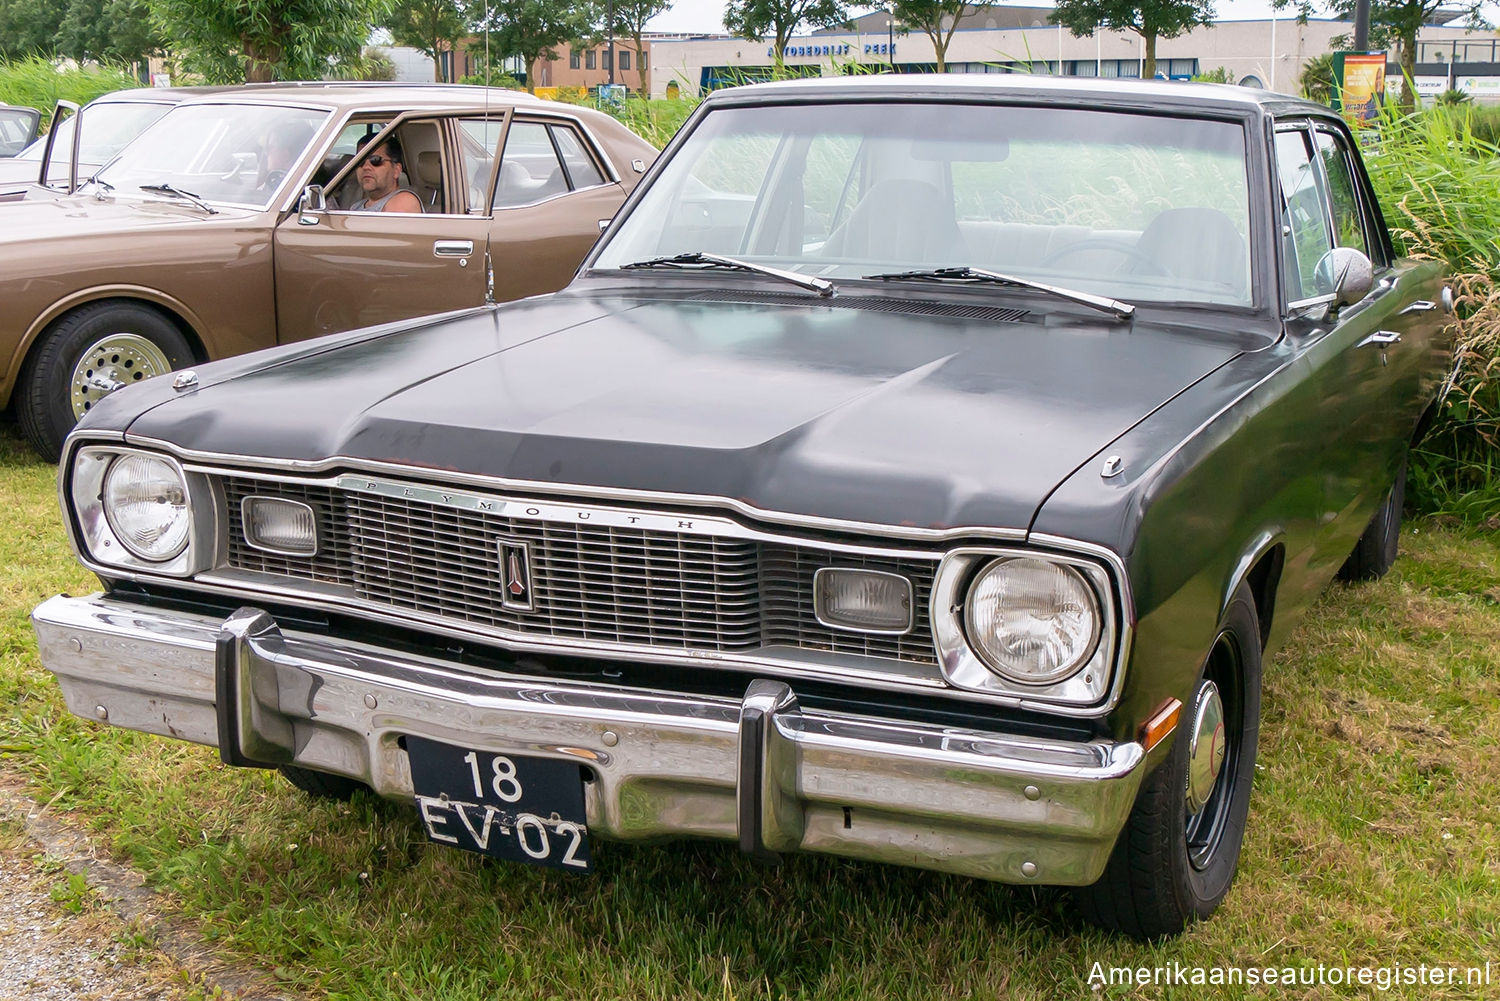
1420, 306
452, 248
1381, 338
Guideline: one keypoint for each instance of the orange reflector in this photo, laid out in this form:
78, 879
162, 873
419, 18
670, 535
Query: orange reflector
1156, 729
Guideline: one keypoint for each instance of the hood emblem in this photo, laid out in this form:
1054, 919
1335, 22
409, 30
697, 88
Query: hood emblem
515, 571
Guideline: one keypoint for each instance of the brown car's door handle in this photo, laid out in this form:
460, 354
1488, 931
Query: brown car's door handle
452, 248
1381, 338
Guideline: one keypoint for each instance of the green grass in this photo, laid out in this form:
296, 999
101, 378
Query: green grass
1373, 838
36, 83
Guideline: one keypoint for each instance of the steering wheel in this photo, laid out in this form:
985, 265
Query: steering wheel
1152, 265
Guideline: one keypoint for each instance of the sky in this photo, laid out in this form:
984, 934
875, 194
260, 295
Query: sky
708, 15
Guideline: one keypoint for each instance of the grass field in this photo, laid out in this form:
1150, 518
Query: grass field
1374, 839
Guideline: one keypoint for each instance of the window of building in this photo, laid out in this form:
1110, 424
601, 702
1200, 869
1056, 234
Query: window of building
642, 63
591, 59
624, 59
609, 59
573, 61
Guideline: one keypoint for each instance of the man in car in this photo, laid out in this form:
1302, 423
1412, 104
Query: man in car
380, 179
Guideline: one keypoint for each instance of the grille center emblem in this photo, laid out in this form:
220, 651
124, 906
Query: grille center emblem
515, 565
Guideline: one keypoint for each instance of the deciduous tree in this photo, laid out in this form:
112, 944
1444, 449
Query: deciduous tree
758, 19
108, 31
1151, 19
938, 19
29, 27
259, 40
1394, 22
531, 28
433, 26
630, 17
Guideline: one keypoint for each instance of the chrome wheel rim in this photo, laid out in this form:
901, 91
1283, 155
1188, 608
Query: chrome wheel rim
1213, 754
112, 363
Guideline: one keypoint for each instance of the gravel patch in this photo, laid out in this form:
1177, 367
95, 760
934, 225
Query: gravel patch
49, 954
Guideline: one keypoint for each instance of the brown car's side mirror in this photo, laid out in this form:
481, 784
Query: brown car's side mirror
1344, 273
311, 206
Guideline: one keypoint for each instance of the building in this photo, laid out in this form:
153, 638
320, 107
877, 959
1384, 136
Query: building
1266, 53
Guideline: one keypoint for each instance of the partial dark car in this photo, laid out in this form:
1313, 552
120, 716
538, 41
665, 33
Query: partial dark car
920, 470
228, 225
18, 128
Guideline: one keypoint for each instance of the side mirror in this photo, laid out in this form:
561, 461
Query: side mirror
1344, 273
311, 206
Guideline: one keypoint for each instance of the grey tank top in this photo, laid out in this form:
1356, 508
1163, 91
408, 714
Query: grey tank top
378, 205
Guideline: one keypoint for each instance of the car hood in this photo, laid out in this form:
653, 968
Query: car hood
47, 218
811, 409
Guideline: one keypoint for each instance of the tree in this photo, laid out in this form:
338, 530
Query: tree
938, 19
1395, 22
1316, 79
260, 40
433, 26
108, 31
630, 20
530, 29
1151, 19
755, 19
29, 27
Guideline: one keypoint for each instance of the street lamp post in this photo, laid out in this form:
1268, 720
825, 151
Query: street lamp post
609, 27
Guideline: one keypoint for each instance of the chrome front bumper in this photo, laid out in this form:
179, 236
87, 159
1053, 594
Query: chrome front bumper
760, 770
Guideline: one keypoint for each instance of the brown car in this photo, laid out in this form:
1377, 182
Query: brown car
229, 226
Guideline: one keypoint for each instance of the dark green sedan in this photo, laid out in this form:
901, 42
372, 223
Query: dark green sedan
918, 470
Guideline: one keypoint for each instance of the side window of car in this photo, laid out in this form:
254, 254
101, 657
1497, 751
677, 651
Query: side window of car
478, 138
1305, 236
829, 185
1348, 223
583, 172
529, 168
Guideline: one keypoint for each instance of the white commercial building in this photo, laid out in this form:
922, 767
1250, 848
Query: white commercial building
1266, 53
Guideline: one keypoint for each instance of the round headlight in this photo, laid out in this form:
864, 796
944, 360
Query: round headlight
1032, 621
146, 501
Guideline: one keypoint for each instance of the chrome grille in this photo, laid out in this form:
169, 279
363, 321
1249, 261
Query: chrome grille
589, 582
787, 597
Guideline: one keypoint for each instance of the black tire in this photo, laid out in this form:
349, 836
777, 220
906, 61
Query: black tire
1172, 867
1375, 552
321, 784
45, 394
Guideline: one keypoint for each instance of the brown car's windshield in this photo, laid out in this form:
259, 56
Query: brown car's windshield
237, 154
1130, 206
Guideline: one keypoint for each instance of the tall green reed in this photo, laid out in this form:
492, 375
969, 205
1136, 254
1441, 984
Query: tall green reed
1437, 175
36, 82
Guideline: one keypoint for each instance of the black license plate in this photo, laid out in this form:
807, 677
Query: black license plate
505, 805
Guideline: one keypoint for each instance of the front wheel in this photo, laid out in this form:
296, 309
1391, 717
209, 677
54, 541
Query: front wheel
1180, 848
88, 354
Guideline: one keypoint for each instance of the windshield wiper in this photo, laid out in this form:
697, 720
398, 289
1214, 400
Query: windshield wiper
167, 189
699, 259
1120, 310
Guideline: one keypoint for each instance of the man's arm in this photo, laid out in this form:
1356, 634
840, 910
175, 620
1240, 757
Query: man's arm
403, 201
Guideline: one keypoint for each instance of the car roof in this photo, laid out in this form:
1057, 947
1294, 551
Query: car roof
381, 96
1105, 91
157, 95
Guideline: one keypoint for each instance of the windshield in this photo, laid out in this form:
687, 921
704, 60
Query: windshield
233, 153
1136, 207
107, 128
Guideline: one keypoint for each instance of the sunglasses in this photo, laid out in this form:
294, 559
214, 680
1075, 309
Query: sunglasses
380, 161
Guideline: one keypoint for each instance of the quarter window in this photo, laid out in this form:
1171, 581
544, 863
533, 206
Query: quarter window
543, 160
1305, 236
1348, 227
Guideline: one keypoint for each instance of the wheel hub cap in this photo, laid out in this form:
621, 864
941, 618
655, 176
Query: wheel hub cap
1205, 746
112, 363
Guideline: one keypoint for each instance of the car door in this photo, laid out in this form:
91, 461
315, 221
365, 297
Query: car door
1346, 351
339, 269
553, 194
